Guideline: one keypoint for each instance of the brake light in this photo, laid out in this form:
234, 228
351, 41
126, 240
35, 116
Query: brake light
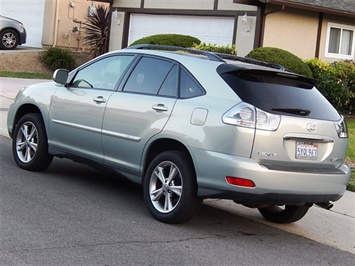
237, 181
342, 129
247, 115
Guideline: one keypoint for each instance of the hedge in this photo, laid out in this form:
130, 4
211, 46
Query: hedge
336, 81
281, 57
185, 41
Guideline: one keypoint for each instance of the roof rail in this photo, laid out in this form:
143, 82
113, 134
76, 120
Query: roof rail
213, 56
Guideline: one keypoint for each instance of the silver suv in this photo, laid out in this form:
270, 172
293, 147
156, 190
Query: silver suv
189, 125
12, 33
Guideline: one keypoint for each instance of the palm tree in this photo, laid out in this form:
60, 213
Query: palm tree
97, 27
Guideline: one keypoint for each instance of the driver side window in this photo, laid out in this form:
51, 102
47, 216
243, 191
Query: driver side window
103, 74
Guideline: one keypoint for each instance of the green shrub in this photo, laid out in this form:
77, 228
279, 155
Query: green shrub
281, 57
346, 73
332, 83
169, 39
215, 48
55, 57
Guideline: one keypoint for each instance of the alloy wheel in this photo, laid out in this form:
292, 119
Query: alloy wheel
9, 40
165, 187
27, 142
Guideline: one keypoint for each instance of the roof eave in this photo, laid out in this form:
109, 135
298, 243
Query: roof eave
103, 1
298, 5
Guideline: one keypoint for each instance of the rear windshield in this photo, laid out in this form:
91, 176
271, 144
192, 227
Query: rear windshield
281, 93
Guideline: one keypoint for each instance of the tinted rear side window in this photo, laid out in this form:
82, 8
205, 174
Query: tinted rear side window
282, 94
148, 76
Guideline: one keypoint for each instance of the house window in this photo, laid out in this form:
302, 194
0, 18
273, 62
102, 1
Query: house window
340, 41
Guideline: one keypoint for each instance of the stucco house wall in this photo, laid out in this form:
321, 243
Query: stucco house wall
321, 29
63, 22
296, 31
292, 30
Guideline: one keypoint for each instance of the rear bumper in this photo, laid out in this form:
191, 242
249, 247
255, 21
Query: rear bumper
272, 186
270, 198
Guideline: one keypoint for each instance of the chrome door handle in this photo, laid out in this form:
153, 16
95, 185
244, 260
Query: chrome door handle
160, 107
99, 99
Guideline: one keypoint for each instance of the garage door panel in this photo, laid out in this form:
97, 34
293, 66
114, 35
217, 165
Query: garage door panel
215, 27
215, 30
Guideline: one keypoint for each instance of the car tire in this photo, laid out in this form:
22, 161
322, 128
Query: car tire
287, 214
30, 144
170, 188
9, 39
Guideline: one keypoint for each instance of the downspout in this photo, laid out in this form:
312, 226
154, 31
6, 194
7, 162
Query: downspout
109, 27
264, 14
319, 35
260, 21
126, 23
56, 23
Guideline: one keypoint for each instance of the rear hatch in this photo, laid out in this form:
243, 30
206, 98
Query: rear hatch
296, 128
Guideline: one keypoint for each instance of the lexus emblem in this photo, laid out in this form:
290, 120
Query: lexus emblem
311, 127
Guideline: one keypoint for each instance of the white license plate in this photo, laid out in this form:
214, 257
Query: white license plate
306, 150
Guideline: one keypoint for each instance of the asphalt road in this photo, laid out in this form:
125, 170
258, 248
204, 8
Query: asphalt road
71, 214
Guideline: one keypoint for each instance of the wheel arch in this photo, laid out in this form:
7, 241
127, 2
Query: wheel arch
161, 145
23, 110
9, 28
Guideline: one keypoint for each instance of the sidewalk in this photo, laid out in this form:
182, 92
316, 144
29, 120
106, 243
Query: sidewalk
335, 227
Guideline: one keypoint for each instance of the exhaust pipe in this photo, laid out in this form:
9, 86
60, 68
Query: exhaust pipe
325, 205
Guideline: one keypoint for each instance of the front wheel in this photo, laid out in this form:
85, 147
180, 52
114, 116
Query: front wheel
170, 188
29, 144
283, 214
9, 39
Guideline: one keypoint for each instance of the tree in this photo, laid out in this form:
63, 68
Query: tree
97, 26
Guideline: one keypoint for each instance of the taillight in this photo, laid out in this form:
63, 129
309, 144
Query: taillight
342, 128
247, 115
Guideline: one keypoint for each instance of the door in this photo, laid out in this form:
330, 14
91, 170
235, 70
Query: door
139, 111
77, 110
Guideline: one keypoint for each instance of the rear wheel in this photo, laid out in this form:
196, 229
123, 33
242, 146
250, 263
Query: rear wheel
170, 188
9, 39
29, 144
284, 214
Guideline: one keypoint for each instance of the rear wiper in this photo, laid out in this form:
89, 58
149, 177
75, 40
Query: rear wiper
293, 111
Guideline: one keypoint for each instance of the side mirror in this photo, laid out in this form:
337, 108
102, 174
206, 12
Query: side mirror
60, 76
